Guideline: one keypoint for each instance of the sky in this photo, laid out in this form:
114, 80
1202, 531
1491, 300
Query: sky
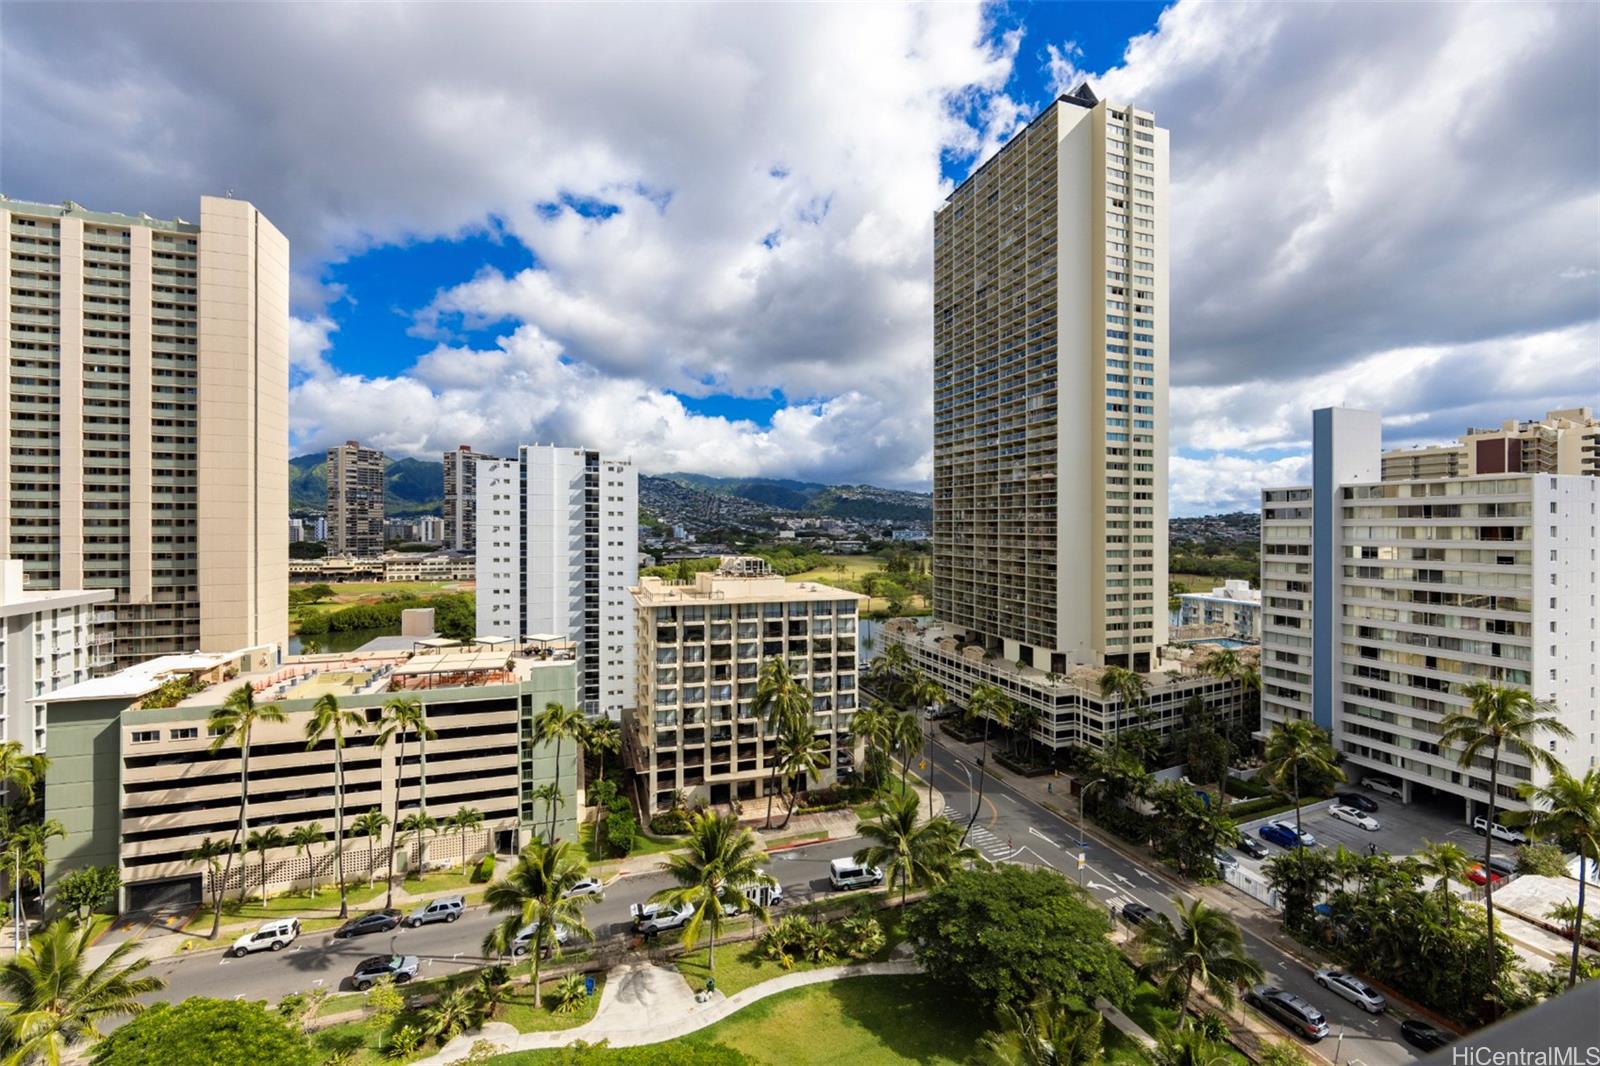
701, 235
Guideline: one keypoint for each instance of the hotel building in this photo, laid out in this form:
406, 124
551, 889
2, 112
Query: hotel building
145, 436
1383, 598
355, 501
461, 497
48, 641
1562, 442
701, 645
558, 549
1233, 609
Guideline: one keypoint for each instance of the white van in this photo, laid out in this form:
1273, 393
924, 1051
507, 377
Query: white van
845, 874
765, 895
274, 936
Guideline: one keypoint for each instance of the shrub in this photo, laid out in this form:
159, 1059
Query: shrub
88, 889
670, 823
1257, 808
1543, 859
621, 829
384, 999
794, 938
404, 1042
861, 936
568, 994
1245, 788
485, 871
601, 793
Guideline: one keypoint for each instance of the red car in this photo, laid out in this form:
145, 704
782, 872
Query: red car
1476, 875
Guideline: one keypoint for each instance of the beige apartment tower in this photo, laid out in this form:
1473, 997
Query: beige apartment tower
1050, 392
355, 501
1562, 442
461, 497
145, 441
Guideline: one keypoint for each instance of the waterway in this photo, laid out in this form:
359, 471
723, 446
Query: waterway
347, 640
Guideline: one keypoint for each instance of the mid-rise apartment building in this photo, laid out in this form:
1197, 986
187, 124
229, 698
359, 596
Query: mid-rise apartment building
145, 435
135, 783
355, 500
48, 641
1233, 608
700, 649
557, 551
1562, 442
1384, 598
461, 497
1050, 392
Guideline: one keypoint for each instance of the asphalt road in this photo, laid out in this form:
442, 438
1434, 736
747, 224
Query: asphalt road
1011, 827
316, 960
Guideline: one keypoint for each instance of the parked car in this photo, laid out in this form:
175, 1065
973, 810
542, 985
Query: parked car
1290, 1010
400, 967
1502, 866
845, 874
1499, 832
1136, 913
765, 895
1226, 862
524, 938
1358, 801
445, 909
1383, 786
1253, 848
589, 886
1478, 877
1352, 988
1419, 1034
274, 936
1354, 817
376, 922
652, 918
1283, 834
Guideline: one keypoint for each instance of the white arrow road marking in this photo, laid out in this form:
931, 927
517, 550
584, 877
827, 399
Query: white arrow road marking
1098, 887
1140, 871
1124, 880
1043, 837
317, 983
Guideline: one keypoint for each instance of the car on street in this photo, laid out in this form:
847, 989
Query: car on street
401, 968
273, 936
1352, 988
1253, 848
845, 874
1419, 1034
375, 922
1503, 866
652, 918
1358, 801
1137, 913
1481, 825
1283, 834
1383, 787
1351, 816
1226, 862
524, 938
589, 886
1478, 877
1291, 1011
445, 909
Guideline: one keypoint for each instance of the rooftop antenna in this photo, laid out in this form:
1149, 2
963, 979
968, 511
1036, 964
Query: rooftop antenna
230, 194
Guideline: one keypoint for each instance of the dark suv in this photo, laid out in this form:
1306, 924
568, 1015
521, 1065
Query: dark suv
376, 922
1290, 1010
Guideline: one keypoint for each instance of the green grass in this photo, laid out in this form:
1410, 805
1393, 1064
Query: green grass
352, 592
642, 845
854, 568
321, 909
522, 1016
441, 881
741, 965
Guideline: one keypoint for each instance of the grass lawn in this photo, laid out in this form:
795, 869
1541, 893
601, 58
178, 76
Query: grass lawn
845, 571
642, 845
741, 965
352, 592
521, 1015
443, 880
320, 911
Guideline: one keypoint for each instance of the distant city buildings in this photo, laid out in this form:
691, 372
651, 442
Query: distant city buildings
558, 549
297, 531
48, 640
390, 566
1562, 442
1234, 607
145, 430
461, 497
355, 500
912, 535
1385, 597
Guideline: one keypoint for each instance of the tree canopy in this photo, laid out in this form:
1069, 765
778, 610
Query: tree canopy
199, 1032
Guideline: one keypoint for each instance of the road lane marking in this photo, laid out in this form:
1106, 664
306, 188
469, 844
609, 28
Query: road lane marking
1043, 837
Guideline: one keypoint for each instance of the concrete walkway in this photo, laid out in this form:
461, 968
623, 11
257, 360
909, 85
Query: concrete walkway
645, 1004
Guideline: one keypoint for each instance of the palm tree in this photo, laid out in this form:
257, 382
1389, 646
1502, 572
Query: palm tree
906, 738
233, 723
1446, 862
925, 692
799, 751
1117, 682
1023, 720
1205, 945
34, 839
371, 826
1226, 664
1297, 745
416, 825
55, 1001
403, 715
1498, 718
991, 705
874, 724
534, 893
211, 852
601, 737
556, 723
780, 699
20, 770
304, 838
1188, 1046
328, 720
909, 852
1050, 1032
262, 841
465, 820
721, 861
1567, 809
550, 795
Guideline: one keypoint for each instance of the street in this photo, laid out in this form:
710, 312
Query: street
1011, 827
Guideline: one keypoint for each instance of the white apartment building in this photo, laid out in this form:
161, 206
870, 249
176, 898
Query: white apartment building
1382, 599
1233, 606
558, 549
460, 525
700, 648
144, 443
48, 640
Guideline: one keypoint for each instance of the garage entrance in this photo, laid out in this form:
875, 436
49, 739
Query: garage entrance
171, 894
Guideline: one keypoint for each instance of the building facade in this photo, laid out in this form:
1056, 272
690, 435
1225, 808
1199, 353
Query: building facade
145, 438
136, 785
1562, 442
48, 641
355, 500
1384, 598
461, 497
1050, 392
558, 549
1233, 607
700, 648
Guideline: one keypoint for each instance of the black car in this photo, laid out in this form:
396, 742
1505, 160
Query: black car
1136, 913
1290, 1010
401, 968
1358, 801
1419, 1034
376, 922
1253, 848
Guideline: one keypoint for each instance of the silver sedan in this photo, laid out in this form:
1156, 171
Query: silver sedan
1354, 817
1352, 988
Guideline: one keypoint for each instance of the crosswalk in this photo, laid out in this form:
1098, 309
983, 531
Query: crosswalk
993, 846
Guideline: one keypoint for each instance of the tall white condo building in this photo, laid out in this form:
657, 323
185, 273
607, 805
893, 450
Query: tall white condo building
558, 549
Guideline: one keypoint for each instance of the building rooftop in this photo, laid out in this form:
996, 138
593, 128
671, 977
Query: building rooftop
69, 209
737, 579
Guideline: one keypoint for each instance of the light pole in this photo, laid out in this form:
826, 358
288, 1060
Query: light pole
1082, 794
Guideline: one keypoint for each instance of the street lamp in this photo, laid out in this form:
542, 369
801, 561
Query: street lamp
1082, 794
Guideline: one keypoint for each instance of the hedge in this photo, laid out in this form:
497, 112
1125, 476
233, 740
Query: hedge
1258, 808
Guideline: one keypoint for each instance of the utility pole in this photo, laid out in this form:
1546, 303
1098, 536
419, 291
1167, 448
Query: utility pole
16, 900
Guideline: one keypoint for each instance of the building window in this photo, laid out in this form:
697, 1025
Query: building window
146, 736
186, 733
